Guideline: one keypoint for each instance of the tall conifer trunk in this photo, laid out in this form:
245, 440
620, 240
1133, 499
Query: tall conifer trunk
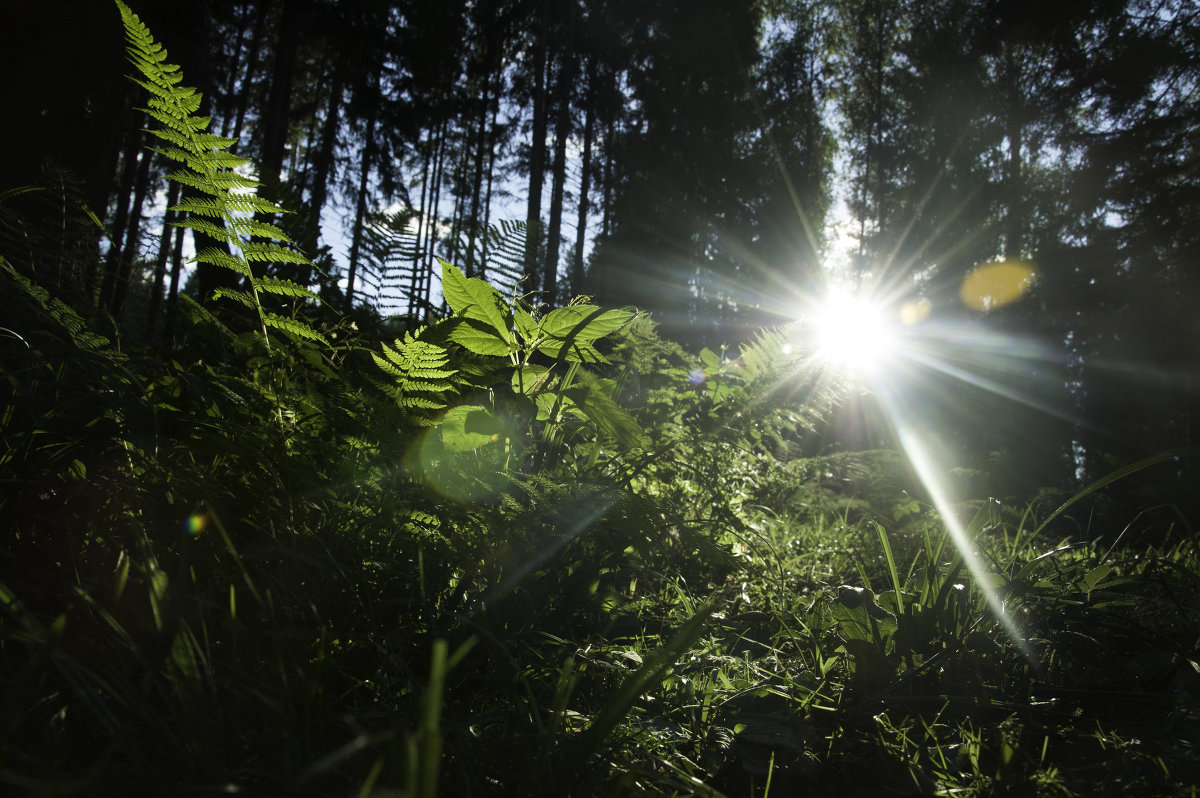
255, 48
417, 278
279, 99
323, 167
585, 184
480, 157
132, 234
112, 261
537, 151
562, 132
360, 210
160, 264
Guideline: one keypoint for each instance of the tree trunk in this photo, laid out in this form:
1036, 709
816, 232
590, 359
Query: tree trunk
276, 116
435, 199
609, 137
329, 131
494, 143
1015, 134
537, 151
256, 47
481, 138
229, 104
160, 265
585, 183
173, 290
132, 234
562, 131
360, 211
112, 261
418, 268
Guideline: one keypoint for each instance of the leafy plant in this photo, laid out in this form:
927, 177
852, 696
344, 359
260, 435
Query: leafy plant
531, 370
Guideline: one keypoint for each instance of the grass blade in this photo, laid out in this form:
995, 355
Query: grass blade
1120, 473
637, 683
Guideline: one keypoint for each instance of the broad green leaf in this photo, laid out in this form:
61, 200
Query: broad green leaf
860, 618
481, 338
469, 427
526, 325
709, 359
596, 401
1095, 577
553, 407
572, 351
585, 322
530, 380
472, 298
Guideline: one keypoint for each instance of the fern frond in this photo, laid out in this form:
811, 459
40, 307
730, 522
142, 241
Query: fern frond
209, 229
209, 168
281, 287
216, 257
420, 373
294, 327
256, 229
241, 297
272, 253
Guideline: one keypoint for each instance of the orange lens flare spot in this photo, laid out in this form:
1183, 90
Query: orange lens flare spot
915, 312
995, 285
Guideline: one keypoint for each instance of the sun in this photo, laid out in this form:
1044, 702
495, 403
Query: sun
852, 333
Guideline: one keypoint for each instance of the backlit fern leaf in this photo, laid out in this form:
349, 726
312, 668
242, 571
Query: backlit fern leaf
499, 251
210, 169
398, 265
421, 377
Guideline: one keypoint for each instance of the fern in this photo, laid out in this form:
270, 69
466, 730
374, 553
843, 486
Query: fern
500, 252
226, 207
421, 373
389, 262
398, 268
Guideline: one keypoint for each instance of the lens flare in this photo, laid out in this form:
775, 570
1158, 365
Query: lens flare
852, 333
995, 285
925, 466
915, 311
195, 524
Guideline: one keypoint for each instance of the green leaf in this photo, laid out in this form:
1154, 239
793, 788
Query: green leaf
481, 338
282, 287
553, 407
622, 699
709, 359
530, 380
241, 297
572, 351
1095, 577
472, 298
1120, 473
270, 252
469, 427
293, 327
526, 325
584, 322
596, 402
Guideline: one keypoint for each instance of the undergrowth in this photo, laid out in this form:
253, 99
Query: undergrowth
532, 552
